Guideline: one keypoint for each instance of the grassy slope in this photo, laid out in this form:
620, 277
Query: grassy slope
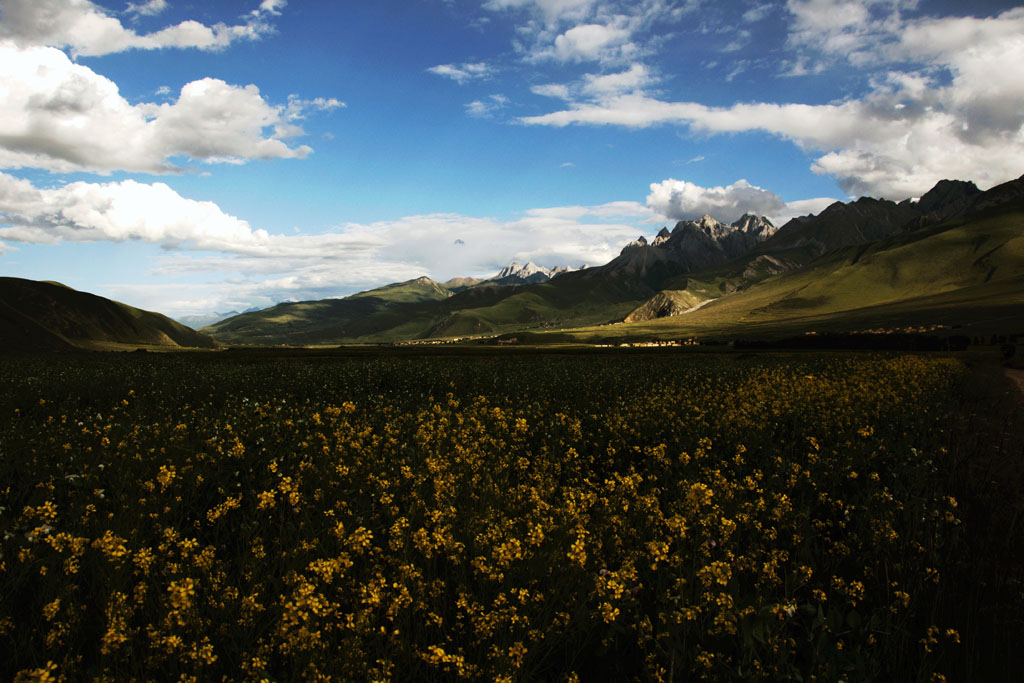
51, 316
330, 320
591, 297
567, 301
423, 309
967, 272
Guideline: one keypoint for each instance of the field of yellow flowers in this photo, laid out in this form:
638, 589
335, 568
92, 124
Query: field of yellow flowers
524, 517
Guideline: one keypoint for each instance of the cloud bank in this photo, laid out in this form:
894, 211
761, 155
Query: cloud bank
201, 239
944, 101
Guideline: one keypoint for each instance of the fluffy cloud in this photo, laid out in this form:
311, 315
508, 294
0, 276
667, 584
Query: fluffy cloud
590, 42
64, 117
680, 200
956, 114
88, 30
86, 212
460, 73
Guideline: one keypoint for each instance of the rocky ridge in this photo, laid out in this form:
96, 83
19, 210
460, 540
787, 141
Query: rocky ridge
530, 273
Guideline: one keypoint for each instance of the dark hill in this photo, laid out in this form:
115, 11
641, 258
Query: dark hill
48, 316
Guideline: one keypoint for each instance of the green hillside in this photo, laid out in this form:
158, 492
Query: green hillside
331, 320
421, 309
49, 316
968, 272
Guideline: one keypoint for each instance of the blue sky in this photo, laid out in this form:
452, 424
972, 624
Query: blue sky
191, 157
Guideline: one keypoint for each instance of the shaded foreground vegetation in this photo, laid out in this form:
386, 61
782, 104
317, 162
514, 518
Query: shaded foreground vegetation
507, 517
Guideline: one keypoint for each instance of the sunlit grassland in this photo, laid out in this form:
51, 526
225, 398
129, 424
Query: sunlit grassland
499, 517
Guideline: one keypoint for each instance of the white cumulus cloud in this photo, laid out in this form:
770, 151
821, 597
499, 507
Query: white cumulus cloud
116, 212
64, 117
89, 30
589, 42
681, 200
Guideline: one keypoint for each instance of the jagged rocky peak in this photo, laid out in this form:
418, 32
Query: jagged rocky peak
515, 269
945, 193
735, 239
707, 224
635, 244
662, 237
516, 273
755, 225
709, 221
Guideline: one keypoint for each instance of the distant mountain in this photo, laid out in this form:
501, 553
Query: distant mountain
701, 270
963, 273
693, 245
531, 273
458, 284
867, 220
328, 320
50, 316
198, 321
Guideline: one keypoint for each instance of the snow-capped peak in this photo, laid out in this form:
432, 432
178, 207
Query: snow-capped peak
530, 272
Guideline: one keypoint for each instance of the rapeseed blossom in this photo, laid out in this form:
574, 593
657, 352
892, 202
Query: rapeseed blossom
467, 519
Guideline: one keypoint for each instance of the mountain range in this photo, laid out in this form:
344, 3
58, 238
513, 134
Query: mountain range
953, 259
881, 251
